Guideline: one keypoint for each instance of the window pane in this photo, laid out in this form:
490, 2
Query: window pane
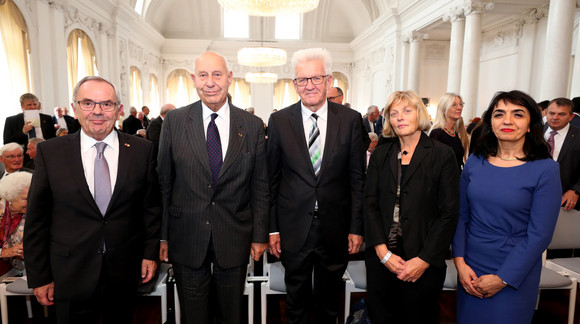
236, 24
139, 7
288, 27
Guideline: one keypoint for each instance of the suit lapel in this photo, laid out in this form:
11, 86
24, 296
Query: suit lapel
568, 143
77, 172
123, 166
194, 132
297, 127
331, 135
236, 140
420, 153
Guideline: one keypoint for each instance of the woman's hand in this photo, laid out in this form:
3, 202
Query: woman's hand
395, 264
16, 251
413, 270
489, 285
466, 277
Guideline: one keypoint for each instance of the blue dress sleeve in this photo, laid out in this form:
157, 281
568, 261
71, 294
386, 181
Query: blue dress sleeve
546, 199
458, 244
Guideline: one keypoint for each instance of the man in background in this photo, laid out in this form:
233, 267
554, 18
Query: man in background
154, 130
12, 157
31, 151
131, 124
335, 95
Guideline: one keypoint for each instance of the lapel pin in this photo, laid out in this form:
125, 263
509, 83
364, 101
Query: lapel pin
240, 135
127, 145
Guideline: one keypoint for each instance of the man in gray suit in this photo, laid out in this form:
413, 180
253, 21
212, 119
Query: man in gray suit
212, 170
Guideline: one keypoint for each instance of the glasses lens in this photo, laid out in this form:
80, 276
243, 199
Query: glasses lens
87, 104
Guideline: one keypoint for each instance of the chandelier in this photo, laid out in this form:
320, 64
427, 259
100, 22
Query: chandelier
261, 56
270, 7
261, 77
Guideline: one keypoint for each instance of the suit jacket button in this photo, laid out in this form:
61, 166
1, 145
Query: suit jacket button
213, 203
209, 186
206, 222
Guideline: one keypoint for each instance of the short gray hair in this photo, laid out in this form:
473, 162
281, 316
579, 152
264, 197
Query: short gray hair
12, 185
35, 140
372, 109
94, 78
10, 147
373, 136
216, 53
312, 54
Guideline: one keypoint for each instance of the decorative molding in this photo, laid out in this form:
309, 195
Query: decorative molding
72, 16
531, 16
476, 7
435, 51
454, 14
123, 61
502, 39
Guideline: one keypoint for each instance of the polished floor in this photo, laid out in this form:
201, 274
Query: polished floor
552, 309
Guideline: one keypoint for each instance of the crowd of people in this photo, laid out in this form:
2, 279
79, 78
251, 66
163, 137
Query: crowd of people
94, 207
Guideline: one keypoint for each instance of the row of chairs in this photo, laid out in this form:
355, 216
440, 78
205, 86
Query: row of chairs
561, 273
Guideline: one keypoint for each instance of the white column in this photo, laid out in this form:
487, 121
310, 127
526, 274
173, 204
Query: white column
457, 20
404, 64
416, 40
471, 51
575, 87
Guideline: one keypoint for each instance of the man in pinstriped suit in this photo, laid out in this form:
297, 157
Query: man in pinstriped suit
215, 204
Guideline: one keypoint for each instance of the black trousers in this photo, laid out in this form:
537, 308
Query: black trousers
321, 297
112, 302
394, 301
197, 286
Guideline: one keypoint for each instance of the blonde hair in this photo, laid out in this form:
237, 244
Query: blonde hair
445, 103
413, 100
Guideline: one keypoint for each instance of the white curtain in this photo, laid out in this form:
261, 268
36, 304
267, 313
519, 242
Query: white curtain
240, 91
284, 94
81, 57
136, 88
180, 88
154, 95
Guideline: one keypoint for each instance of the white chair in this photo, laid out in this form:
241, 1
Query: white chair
355, 281
161, 291
551, 279
18, 287
273, 283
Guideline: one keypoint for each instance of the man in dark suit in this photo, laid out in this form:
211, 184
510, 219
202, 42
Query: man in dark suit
12, 157
145, 122
371, 121
16, 130
154, 130
61, 120
335, 94
316, 173
92, 228
564, 140
212, 171
131, 124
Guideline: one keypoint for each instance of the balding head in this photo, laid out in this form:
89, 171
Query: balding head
165, 109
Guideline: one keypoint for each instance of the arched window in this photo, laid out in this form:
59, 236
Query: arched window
136, 88
240, 91
180, 88
154, 95
81, 57
14, 59
340, 80
284, 94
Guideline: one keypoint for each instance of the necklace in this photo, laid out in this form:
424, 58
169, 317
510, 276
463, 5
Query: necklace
506, 159
450, 132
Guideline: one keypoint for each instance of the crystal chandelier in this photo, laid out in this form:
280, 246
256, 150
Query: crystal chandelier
261, 56
270, 7
261, 77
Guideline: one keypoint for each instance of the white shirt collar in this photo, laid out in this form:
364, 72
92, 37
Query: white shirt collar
223, 112
322, 112
87, 142
563, 131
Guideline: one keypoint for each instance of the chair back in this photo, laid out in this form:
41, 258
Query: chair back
566, 235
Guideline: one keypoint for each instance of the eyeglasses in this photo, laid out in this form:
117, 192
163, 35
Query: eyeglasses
90, 105
12, 157
459, 104
332, 98
316, 80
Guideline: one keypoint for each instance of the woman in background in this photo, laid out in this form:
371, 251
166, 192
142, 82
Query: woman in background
510, 199
14, 189
411, 208
448, 127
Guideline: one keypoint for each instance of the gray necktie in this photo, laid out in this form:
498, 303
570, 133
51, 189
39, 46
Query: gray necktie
314, 145
102, 179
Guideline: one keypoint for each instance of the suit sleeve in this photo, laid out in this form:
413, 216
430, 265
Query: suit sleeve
357, 176
543, 216
441, 233
166, 171
48, 130
259, 188
37, 225
13, 131
274, 173
374, 227
152, 210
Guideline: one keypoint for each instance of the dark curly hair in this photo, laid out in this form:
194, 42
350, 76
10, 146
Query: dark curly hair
535, 146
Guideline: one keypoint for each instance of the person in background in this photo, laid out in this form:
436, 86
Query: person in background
13, 190
411, 209
510, 199
32, 152
61, 132
374, 141
12, 157
335, 94
449, 128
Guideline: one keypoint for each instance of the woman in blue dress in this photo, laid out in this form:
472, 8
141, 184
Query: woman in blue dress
509, 201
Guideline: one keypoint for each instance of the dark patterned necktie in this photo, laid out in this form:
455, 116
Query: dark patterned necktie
214, 148
102, 179
551, 141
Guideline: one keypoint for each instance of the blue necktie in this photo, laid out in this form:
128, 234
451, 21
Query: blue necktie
214, 148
